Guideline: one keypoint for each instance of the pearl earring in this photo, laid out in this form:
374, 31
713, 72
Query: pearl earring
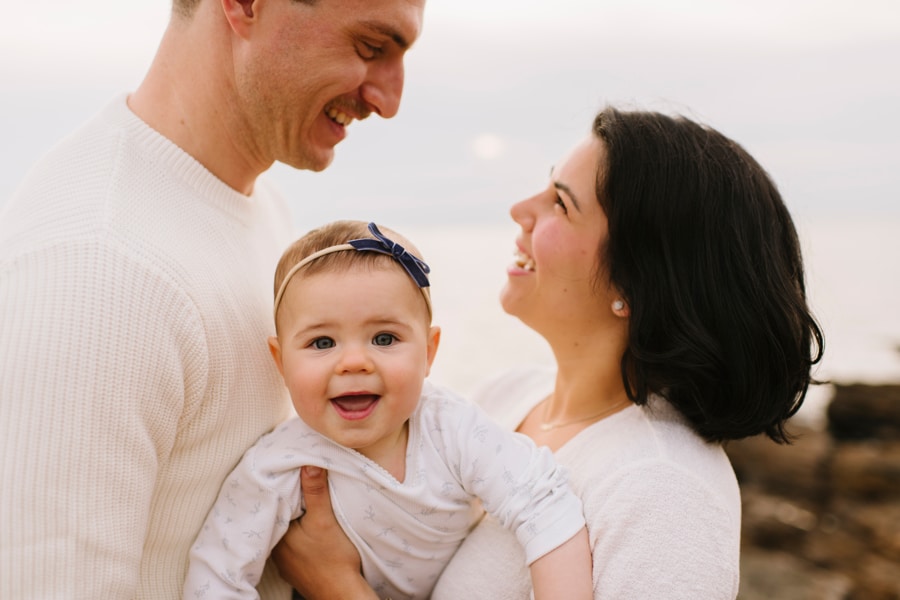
618, 305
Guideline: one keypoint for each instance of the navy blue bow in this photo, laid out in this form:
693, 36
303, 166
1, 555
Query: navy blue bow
416, 268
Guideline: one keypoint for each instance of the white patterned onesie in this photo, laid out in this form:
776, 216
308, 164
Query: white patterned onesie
405, 532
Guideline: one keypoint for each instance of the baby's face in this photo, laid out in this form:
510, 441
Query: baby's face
354, 349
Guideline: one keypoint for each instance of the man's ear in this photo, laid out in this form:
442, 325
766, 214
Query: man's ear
241, 14
434, 340
275, 351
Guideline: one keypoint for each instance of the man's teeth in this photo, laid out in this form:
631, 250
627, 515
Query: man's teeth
524, 262
339, 116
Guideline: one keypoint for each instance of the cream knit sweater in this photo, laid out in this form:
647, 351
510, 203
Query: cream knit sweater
135, 302
663, 507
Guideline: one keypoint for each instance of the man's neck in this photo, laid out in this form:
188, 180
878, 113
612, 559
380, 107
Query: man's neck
188, 101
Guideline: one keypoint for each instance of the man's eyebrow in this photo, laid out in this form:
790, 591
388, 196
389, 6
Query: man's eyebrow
387, 30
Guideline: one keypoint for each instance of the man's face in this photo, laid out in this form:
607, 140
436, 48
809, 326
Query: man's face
308, 70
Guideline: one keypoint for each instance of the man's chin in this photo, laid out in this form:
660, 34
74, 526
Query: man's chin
313, 163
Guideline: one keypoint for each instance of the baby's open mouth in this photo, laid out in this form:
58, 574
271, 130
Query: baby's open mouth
355, 406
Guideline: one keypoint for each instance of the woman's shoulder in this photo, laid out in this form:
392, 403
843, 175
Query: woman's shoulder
652, 446
650, 455
679, 444
655, 431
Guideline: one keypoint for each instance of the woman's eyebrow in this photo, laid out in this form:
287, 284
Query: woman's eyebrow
561, 186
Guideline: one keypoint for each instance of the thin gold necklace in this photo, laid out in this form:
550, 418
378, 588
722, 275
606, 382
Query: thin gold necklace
545, 426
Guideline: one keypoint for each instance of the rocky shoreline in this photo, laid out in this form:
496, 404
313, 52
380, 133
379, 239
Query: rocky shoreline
821, 517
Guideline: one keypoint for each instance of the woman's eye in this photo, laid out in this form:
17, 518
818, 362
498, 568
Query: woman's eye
384, 339
323, 343
561, 204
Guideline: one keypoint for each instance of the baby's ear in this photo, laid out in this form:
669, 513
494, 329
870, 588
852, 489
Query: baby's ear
434, 340
275, 351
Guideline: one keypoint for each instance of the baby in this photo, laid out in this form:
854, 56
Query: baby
408, 461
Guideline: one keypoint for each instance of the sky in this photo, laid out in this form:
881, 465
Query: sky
499, 90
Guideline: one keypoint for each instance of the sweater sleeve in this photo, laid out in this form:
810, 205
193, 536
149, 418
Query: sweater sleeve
657, 531
100, 356
518, 483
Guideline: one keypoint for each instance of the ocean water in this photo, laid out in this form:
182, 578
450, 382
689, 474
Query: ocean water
852, 262
853, 279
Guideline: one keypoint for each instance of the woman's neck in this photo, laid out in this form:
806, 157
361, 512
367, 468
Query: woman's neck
589, 384
588, 372
587, 390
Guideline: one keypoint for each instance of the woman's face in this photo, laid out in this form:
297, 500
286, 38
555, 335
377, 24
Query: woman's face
552, 286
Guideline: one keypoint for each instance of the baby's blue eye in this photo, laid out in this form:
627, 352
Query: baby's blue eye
323, 343
384, 339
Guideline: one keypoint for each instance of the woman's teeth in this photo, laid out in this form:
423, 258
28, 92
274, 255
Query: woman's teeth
524, 262
339, 117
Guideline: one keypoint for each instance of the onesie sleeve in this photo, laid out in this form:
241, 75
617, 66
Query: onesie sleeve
517, 482
251, 514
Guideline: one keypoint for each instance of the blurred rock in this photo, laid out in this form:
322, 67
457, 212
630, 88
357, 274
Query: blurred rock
881, 524
866, 469
861, 411
780, 576
836, 543
821, 517
798, 469
774, 522
879, 579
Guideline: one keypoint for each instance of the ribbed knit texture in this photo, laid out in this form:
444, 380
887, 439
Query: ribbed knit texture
135, 302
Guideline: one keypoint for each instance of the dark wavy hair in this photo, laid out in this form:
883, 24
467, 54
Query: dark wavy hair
705, 252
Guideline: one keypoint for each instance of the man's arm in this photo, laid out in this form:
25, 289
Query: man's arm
91, 390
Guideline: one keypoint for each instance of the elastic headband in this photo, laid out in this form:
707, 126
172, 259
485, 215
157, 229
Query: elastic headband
414, 266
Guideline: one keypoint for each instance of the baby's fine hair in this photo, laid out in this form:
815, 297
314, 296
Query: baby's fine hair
335, 234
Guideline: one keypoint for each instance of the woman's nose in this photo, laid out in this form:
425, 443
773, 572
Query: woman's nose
522, 213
